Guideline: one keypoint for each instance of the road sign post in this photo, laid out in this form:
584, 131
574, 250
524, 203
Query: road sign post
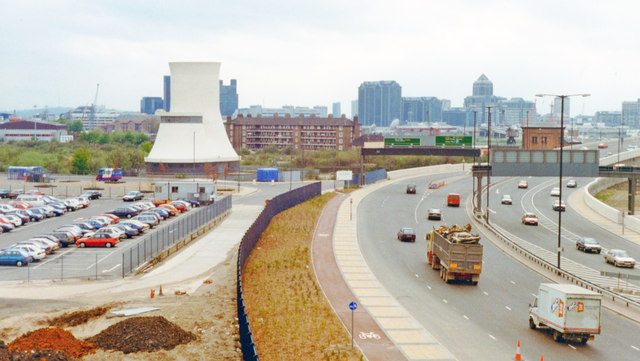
352, 307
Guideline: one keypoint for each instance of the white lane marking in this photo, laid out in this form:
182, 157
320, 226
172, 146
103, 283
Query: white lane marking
417, 276
429, 287
513, 283
497, 191
507, 307
492, 211
571, 346
485, 293
445, 301
465, 316
424, 196
534, 295
112, 268
635, 348
492, 337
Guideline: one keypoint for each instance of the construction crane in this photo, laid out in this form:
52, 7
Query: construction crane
92, 114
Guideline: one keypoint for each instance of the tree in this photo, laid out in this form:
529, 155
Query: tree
146, 147
75, 126
80, 161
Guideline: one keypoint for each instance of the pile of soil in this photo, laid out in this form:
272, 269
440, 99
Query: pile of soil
41, 355
142, 334
4, 353
52, 338
77, 318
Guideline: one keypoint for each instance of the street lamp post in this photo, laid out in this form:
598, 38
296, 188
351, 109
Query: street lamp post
562, 97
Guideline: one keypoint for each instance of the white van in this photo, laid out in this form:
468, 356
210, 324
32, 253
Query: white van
34, 199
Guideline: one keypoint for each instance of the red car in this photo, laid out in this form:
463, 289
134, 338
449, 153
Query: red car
98, 240
20, 205
114, 218
180, 206
602, 146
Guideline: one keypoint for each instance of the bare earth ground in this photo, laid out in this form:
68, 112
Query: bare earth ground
210, 313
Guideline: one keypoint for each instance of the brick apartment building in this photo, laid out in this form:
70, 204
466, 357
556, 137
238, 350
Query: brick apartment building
308, 133
147, 125
541, 137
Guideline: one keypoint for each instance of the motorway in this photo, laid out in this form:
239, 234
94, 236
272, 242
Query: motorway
481, 322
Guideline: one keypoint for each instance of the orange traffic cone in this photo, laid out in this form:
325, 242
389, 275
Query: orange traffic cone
152, 293
160, 291
518, 355
541, 358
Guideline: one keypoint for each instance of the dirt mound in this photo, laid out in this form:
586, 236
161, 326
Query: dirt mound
41, 355
51, 338
4, 353
77, 318
142, 334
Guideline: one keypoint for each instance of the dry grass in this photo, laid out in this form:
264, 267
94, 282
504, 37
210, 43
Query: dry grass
290, 317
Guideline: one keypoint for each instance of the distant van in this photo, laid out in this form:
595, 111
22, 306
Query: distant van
453, 200
36, 200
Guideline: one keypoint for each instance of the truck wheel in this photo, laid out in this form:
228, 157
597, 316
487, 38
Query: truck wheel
557, 336
584, 340
532, 324
474, 283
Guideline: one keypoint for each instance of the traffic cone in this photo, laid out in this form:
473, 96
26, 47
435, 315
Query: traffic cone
152, 293
160, 291
518, 355
541, 358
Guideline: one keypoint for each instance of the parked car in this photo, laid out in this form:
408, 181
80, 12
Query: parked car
434, 213
33, 217
572, 183
14, 193
111, 231
92, 194
152, 221
133, 196
94, 222
411, 189
37, 253
194, 203
161, 212
56, 211
128, 230
555, 192
20, 205
44, 212
152, 214
407, 234
506, 199
72, 204
4, 193
102, 221
559, 206
66, 238
6, 226
145, 205
23, 216
49, 242
619, 258
171, 209
182, 207
114, 219
85, 227
523, 184
14, 256
97, 240
5, 208
15, 220
73, 229
47, 246
530, 218
84, 201
141, 227
124, 212
588, 245
59, 206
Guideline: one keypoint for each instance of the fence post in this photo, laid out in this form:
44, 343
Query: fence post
96, 266
61, 267
123, 265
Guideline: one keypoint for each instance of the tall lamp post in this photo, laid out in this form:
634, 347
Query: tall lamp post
562, 97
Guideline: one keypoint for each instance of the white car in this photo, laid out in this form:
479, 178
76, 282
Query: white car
5, 208
506, 199
15, 220
34, 251
555, 192
84, 201
559, 206
145, 205
112, 232
72, 203
619, 258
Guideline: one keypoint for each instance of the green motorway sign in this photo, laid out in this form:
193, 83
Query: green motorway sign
401, 141
456, 141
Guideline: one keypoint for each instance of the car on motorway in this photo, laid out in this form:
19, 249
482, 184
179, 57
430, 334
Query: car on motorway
572, 183
506, 199
523, 184
434, 213
92, 194
14, 256
619, 258
411, 189
632, 147
151, 220
37, 253
602, 146
453, 200
559, 206
97, 240
128, 229
133, 196
530, 218
555, 192
124, 212
587, 244
407, 234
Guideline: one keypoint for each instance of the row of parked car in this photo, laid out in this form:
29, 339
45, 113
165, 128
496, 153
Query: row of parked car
36, 207
104, 230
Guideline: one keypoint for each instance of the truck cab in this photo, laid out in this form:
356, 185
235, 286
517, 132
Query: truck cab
453, 200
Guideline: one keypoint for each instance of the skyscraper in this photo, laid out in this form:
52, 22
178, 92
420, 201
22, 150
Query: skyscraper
167, 93
228, 98
149, 105
379, 102
557, 106
354, 108
482, 98
335, 109
422, 109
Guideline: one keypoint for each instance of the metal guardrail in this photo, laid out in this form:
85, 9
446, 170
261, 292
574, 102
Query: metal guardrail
274, 206
541, 262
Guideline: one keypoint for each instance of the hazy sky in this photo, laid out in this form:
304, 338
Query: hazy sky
318, 52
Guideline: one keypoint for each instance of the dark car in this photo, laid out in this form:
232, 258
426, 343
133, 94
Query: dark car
133, 196
588, 245
92, 194
66, 238
407, 234
5, 227
128, 230
411, 189
161, 212
4, 193
23, 216
124, 212
192, 202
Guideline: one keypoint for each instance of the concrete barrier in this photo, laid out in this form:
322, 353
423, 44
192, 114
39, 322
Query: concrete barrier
432, 169
612, 214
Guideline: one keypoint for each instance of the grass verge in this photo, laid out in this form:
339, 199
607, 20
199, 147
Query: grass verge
290, 317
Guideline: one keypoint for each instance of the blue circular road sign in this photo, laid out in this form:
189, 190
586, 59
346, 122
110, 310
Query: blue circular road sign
353, 306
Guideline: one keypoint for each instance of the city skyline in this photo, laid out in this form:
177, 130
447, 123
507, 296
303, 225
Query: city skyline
56, 53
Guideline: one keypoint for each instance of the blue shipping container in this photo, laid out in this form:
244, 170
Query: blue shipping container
267, 174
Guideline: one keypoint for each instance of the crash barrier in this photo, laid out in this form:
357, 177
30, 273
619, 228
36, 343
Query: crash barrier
615, 296
612, 214
432, 169
369, 177
168, 239
249, 240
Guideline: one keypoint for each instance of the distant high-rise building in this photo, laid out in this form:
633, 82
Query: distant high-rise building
483, 87
354, 108
631, 114
379, 102
149, 105
228, 98
557, 108
610, 119
335, 108
518, 111
482, 98
167, 93
420, 110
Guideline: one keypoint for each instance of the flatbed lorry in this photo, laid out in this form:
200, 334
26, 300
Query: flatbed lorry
455, 252
571, 312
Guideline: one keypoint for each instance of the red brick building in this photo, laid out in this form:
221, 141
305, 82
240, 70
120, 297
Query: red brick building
308, 133
541, 137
